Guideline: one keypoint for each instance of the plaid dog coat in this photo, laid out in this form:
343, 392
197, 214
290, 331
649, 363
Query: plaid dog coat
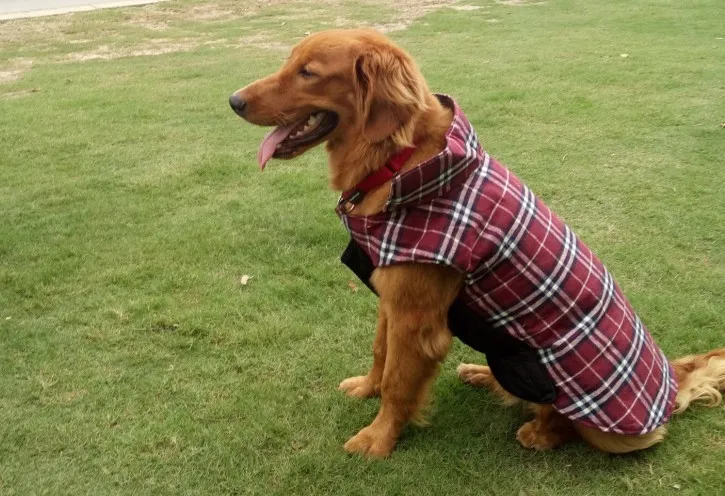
528, 275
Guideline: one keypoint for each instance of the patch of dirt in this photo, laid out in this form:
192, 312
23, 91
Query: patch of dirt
156, 17
391, 26
10, 75
95, 39
518, 3
412, 9
15, 70
157, 46
466, 7
259, 41
150, 24
408, 11
22, 30
161, 46
209, 12
150, 17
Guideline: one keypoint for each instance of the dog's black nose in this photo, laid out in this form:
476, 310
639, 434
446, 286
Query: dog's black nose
238, 104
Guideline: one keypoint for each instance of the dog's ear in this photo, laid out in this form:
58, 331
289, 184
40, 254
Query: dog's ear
391, 91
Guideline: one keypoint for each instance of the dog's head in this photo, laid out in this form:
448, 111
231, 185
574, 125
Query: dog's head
339, 86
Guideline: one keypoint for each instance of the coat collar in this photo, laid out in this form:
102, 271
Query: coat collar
445, 171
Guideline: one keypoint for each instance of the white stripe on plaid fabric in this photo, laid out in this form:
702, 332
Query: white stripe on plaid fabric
527, 273
623, 366
460, 215
447, 170
548, 288
661, 402
584, 325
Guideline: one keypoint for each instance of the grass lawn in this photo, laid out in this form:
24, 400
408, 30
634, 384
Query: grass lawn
132, 359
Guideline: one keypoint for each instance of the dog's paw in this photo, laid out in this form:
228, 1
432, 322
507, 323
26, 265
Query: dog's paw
359, 387
371, 442
475, 375
526, 435
529, 436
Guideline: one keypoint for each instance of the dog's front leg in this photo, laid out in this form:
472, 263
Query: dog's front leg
366, 386
414, 302
417, 342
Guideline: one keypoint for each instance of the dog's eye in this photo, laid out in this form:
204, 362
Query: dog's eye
306, 73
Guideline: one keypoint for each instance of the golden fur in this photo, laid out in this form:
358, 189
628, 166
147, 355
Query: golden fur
384, 104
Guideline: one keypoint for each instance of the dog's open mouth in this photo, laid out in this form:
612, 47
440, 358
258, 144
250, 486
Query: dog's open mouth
292, 139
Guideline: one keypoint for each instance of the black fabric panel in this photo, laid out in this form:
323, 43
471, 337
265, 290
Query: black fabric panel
514, 364
359, 262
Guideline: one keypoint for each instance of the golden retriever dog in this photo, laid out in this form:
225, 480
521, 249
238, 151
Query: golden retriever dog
365, 98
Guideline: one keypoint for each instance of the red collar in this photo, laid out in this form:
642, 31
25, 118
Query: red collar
374, 179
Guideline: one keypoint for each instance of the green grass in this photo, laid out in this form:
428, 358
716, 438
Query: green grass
134, 362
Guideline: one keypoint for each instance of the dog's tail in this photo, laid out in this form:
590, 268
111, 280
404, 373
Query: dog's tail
700, 378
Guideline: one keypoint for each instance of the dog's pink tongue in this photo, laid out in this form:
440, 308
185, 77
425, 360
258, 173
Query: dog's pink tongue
270, 142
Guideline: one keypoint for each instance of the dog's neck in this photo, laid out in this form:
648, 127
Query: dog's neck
349, 164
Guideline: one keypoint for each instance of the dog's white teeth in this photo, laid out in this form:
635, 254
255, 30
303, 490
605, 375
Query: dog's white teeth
311, 123
314, 120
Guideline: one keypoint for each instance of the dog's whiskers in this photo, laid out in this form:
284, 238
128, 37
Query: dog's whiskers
281, 118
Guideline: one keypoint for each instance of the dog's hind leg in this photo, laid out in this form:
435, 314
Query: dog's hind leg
610, 442
548, 430
480, 376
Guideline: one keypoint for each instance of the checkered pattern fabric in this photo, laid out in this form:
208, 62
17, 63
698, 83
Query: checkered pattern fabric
528, 273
